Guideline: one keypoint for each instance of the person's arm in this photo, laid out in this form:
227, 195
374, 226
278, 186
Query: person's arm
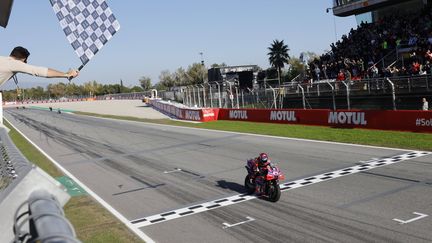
51, 73
18, 66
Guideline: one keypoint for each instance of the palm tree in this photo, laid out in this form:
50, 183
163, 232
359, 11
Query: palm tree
278, 55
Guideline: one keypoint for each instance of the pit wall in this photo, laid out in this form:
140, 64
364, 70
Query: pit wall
404, 120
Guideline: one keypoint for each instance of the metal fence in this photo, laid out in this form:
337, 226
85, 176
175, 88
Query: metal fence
166, 95
13, 165
393, 86
226, 94
124, 96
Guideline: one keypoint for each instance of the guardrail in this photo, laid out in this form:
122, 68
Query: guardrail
183, 112
13, 165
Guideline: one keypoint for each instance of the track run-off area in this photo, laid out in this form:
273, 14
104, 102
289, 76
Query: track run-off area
181, 184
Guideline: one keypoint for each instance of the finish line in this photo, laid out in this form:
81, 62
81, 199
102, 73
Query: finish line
227, 201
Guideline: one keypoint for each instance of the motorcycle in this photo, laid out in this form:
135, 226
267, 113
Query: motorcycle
270, 182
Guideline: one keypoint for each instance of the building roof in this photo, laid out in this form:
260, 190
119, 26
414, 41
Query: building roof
361, 6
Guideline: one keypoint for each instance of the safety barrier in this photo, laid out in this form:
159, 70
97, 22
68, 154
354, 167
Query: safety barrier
404, 120
416, 121
184, 113
13, 166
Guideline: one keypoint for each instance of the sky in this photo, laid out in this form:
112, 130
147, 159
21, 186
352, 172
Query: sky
168, 34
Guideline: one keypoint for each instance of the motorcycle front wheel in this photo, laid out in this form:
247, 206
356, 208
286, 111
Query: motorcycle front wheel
274, 192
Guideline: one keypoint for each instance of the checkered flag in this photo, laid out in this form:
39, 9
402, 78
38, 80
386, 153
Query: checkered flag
88, 25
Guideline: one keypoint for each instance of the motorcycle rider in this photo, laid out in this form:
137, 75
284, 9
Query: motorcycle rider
262, 163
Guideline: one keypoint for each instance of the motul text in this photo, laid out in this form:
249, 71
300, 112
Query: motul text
356, 118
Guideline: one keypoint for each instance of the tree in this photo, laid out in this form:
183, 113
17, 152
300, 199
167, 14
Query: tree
215, 65
159, 86
296, 68
167, 79
197, 73
57, 90
180, 77
93, 88
111, 89
34, 93
136, 89
145, 83
278, 55
310, 56
10, 95
124, 89
271, 73
74, 90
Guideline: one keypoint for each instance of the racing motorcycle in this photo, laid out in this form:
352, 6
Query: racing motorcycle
270, 182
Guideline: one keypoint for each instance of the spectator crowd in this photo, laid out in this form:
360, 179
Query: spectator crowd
360, 54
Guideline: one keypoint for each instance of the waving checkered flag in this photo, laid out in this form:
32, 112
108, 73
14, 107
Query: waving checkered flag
88, 25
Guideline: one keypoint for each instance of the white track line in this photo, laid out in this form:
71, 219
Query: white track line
123, 219
227, 201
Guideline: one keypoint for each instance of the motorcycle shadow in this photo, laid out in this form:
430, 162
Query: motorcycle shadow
231, 186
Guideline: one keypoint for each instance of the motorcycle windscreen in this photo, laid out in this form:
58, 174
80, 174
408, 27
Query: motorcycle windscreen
5, 11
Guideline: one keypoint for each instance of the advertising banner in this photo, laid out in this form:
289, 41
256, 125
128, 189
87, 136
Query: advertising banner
414, 121
417, 121
200, 115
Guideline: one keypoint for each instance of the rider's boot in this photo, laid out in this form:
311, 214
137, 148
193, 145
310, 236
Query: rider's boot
258, 190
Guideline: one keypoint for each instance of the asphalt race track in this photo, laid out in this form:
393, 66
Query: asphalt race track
186, 185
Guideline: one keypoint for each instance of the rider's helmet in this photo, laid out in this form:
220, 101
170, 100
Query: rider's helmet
262, 159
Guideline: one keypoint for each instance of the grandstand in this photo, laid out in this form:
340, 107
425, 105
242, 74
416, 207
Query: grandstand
386, 43
389, 52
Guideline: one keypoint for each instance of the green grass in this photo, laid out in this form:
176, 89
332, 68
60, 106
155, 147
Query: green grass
394, 139
95, 224
92, 222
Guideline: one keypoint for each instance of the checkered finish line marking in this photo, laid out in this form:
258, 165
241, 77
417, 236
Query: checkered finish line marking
206, 206
88, 25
